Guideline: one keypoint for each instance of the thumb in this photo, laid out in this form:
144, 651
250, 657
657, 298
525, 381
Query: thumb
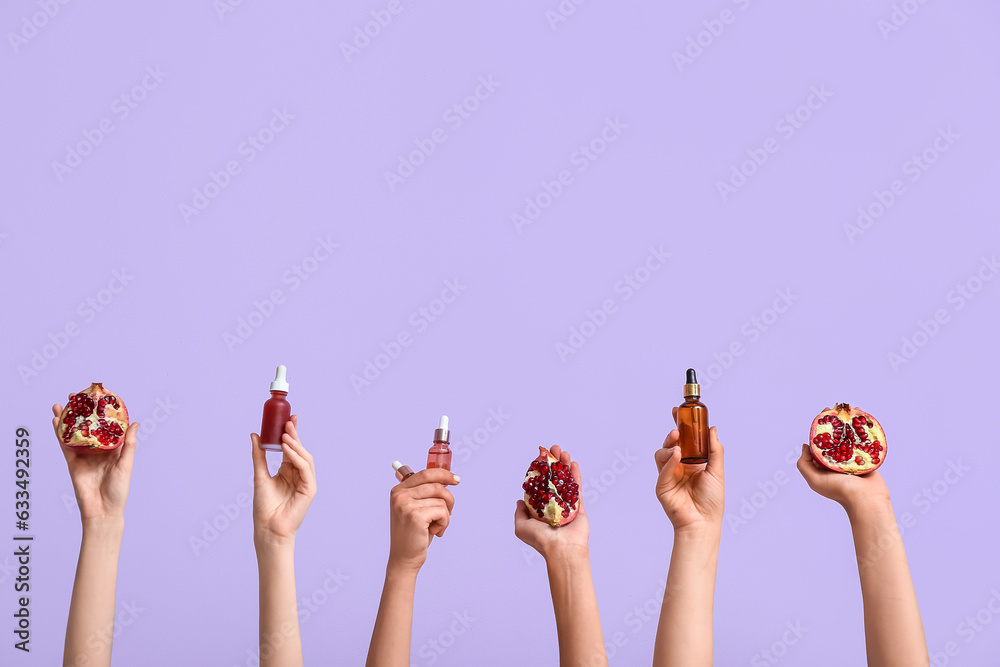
127, 456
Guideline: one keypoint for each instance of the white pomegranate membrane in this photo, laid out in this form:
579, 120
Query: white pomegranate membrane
848, 440
550, 492
94, 419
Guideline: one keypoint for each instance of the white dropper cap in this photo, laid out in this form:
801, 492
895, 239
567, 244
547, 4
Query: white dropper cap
396, 465
279, 383
441, 433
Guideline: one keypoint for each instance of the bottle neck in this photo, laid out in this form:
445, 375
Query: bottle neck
278, 394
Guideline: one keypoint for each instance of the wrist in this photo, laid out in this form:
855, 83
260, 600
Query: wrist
402, 568
103, 526
700, 531
265, 540
865, 510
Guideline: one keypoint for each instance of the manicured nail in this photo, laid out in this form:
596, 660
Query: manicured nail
457, 478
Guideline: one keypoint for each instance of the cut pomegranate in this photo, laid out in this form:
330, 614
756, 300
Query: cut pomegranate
93, 420
846, 439
550, 492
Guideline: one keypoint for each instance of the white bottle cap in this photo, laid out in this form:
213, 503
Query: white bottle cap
279, 383
444, 422
396, 465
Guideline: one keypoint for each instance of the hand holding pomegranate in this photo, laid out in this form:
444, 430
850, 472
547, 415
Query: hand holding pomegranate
100, 477
419, 509
537, 530
280, 502
691, 495
850, 491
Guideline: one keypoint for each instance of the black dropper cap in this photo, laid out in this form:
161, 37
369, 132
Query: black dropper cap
691, 387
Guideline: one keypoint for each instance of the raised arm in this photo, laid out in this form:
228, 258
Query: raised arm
279, 506
894, 632
101, 483
693, 497
567, 559
419, 509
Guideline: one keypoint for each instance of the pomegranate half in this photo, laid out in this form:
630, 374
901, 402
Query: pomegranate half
848, 440
550, 492
93, 420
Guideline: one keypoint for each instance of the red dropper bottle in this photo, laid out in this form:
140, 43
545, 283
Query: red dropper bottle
439, 455
277, 411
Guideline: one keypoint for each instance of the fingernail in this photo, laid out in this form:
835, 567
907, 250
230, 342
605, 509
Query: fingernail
457, 478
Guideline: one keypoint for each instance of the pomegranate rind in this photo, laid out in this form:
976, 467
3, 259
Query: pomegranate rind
551, 512
846, 461
112, 415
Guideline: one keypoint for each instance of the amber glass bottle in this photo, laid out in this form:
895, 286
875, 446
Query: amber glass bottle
692, 422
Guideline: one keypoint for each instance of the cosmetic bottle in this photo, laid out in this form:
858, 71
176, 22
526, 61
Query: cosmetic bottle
692, 422
439, 455
402, 472
277, 411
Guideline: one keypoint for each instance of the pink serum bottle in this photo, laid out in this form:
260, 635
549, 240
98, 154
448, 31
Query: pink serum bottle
402, 472
439, 455
277, 411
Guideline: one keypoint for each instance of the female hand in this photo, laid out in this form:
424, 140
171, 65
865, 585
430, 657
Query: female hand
280, 502
691, 495
100, 479
546, 539
851, 491
419, 508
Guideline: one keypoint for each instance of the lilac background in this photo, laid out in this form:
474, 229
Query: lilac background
162, 338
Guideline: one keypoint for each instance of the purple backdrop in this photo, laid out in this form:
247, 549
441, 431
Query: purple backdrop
799, 200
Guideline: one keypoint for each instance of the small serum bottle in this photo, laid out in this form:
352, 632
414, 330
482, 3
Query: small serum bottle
692, 422
402, 472
277, 411
439, 455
